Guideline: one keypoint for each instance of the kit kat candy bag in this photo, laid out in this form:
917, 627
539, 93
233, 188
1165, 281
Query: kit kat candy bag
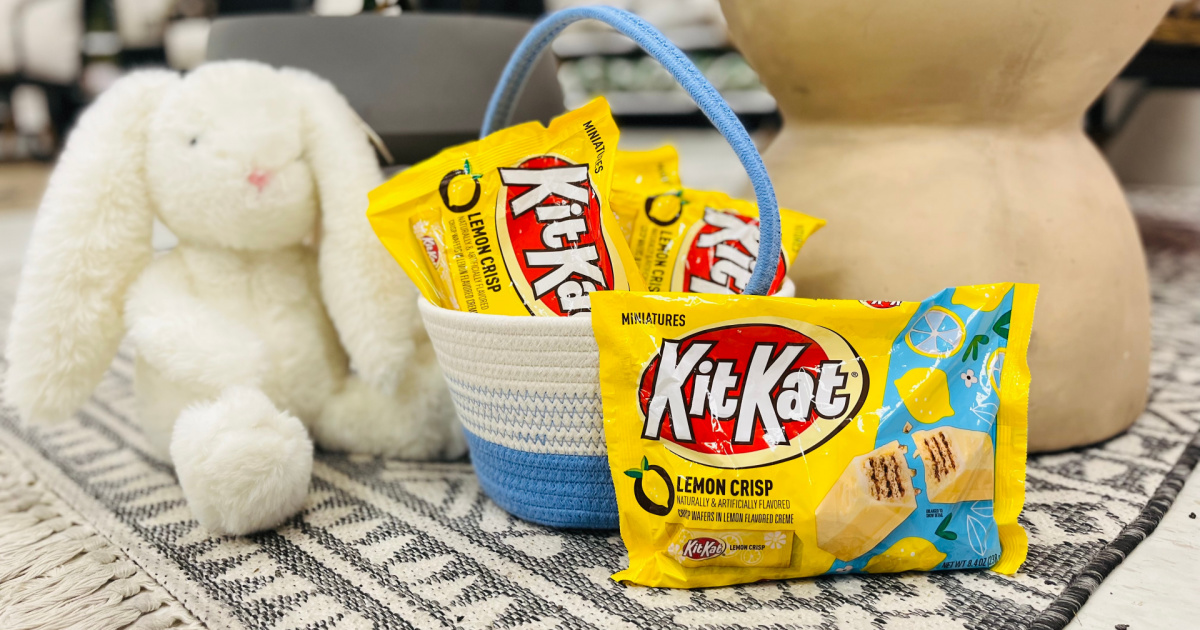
516, 223
699, 241
651, 167
754, 438
690, 240
638, 174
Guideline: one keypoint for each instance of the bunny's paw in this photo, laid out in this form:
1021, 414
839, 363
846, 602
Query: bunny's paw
417, 423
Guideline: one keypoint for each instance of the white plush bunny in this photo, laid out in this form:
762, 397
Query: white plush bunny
245, 332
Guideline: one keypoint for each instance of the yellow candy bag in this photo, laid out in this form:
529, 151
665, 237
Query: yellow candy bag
754, 438
649, 168
517, 223
639, 174
692, 240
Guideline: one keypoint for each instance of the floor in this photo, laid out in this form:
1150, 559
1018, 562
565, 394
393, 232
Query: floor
1156, 585
21, 184
1154, 588
21, 187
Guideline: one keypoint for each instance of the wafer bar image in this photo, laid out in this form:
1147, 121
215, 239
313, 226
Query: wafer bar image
871, 498
959, 464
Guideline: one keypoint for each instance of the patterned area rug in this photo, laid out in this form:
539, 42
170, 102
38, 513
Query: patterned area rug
386, 544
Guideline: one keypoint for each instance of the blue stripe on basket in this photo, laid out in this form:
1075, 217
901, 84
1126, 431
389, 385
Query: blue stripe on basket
569, 491
549, 420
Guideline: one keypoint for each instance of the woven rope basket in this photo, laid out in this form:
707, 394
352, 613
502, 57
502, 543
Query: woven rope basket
528, 395
527, 389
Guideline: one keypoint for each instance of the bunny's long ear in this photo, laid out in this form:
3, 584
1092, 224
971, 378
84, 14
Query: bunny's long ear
90, 240
371, 301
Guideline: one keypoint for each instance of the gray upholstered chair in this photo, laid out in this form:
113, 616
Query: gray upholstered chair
421, 81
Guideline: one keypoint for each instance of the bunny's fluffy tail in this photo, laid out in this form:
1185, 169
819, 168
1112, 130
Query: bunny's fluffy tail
244, 465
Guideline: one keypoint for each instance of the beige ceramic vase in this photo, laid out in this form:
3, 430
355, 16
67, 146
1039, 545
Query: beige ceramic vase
942, 140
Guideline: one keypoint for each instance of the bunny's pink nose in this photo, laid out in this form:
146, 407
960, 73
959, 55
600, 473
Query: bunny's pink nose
259, 178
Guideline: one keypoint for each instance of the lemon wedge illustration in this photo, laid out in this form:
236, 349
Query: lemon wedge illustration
908, 554
937, 333
925, 393
979, 298
656, 488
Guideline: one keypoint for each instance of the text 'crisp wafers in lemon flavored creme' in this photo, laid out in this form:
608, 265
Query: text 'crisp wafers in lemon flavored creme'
757, 438
517, 223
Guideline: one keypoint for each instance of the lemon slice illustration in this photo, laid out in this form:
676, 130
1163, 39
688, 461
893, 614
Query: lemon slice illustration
751, 558
937, 333
908, 554
995, 367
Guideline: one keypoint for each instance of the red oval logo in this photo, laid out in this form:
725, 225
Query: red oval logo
747, 394
880, 303
431, 249
721, 253
703, 548
552, 236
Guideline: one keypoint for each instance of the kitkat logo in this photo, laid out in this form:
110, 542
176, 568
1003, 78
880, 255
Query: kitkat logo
721, 253
751, 393
703, 549
548, 216
431, 249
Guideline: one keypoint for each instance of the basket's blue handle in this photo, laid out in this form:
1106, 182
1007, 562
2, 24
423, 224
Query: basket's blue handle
500, 107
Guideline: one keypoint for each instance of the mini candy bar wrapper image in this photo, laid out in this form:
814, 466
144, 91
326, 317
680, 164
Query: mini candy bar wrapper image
517, 223
754, 438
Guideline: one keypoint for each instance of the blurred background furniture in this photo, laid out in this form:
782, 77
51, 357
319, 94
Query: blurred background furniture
596, 60
1148, 120
40, 65
416, 108
1169, 60
67, 51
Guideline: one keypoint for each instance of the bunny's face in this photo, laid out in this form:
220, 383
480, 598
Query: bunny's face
225, 160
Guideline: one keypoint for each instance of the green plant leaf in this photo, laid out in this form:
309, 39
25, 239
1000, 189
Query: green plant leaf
1001, 325
941, 529
973, 348
645, 464
633, 472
